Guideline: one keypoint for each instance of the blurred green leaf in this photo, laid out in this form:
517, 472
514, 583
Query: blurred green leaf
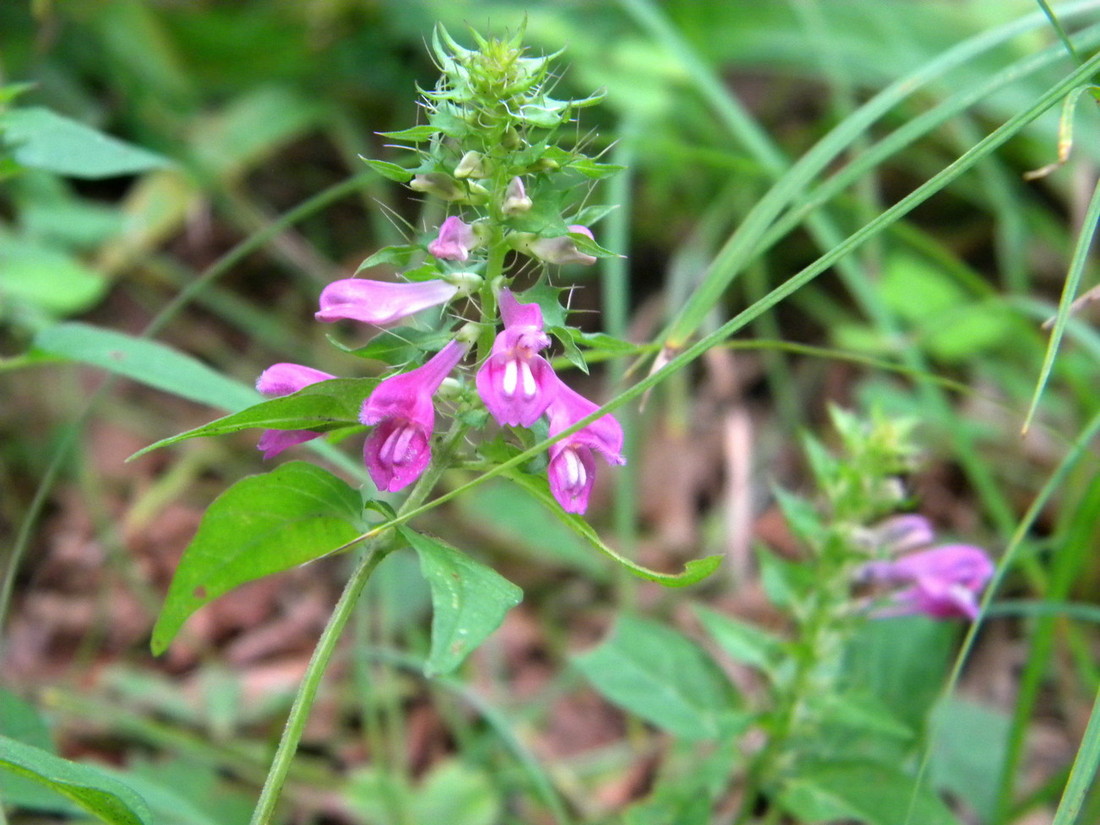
92, 789
741, 641
149, 362
457, 795
41, 139
250, 128
261, 525
653, 671
20, 721
694, 570
469, 600
321, 407
413, 133
511, 515
46, 279
865, 792
969, 747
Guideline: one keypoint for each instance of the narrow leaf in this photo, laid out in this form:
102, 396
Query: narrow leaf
93, 790
154, 364
261, 525
390, 170
321, 407
469, 600
413, 133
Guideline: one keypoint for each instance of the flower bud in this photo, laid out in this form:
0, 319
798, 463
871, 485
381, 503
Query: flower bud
438, 184
467, 282
471, 166
516, 201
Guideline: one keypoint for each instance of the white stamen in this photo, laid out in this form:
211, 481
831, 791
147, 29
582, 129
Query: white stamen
385, 455
401, 448
529, 385
508, 385
575, 474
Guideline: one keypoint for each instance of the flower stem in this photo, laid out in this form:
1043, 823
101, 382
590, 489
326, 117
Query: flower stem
299, 712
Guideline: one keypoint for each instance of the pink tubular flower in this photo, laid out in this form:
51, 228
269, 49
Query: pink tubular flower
515, 382
942, 582
455, 240
572, 466
285, 379
379, 302
563, 250
399, 448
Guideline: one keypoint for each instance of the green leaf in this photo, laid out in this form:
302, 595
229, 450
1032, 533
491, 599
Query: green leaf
741, 641
457, 795
93, 790
969, 747
591, 169
469, 600
694, 571
413, 133
154, 364
402, 345
866, 792
390, 170
250, 128
321, 407
653, 671
20, 721
398, 255
261, 525
49, 280
42, 139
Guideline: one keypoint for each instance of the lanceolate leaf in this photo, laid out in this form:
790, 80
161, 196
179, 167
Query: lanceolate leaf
320, 407
93, 790
469, 600
261, 525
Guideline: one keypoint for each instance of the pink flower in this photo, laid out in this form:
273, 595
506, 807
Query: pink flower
399, 448
285, 379
379, 302
572, 466
563, 249
455, 240
515, 382
942, 582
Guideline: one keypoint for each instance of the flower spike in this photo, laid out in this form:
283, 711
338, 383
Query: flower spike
399, 448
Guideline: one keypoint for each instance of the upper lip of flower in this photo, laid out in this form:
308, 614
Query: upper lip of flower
380, 302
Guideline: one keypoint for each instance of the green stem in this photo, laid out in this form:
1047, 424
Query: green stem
345, 608
299, 712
